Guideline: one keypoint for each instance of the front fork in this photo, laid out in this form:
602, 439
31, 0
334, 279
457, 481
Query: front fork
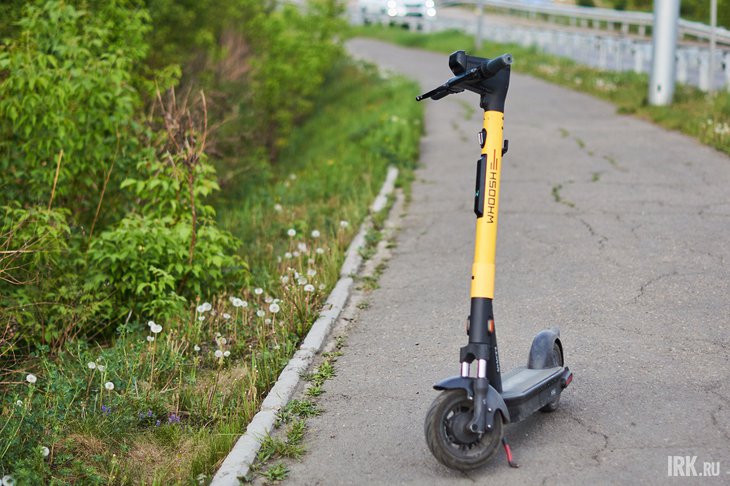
482, 348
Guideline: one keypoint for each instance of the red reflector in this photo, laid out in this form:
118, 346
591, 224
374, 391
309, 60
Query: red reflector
569, 379
491, 325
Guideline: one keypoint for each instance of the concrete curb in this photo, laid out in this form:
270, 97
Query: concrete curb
243, 454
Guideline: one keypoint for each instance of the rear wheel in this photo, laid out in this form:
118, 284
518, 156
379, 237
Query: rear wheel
555, 360
448, 436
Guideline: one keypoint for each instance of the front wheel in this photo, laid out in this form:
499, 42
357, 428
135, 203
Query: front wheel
448, 436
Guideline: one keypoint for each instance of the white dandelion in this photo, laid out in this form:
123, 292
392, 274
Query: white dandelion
226, 354
319, 251
315, 234
260, 313
267, 322
288, 255
150, 339
274, 308
284, 279
311, 272
322, 286
109, 385
277, 207
45, 451
258, 291
31, 378
309, 288
91, 365
302, 247
292, 232
218, 353
196, 348
302, 281
156, 329
226, 316
344, 224
269, 299
101, 367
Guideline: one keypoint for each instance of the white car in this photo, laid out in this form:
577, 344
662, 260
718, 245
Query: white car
402, 12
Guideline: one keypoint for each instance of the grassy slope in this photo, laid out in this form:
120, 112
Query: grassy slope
697, 114
177, 408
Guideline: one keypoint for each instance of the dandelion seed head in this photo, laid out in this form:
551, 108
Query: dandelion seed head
291, 232
201, 318
31, 378
45, 451
150, 339
196, 348
302, 281
8, 480
309, 288
238, 302
101, 367
288, 255
284, 279
218, 353
150, 323
277, 207
319, 251
311, 272
226, 353
260, 313
109, 385
296, 254
267, 322
269, 299
91, 365
344, 224
315, 234
156, 329
19, 403
222, 340
274, 308
226, 316
302, 247
322, 286
258, 291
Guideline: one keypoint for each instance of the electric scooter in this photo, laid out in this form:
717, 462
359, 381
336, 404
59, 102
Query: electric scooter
464, 426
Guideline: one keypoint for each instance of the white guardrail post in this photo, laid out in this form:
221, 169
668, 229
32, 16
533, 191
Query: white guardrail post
661, 82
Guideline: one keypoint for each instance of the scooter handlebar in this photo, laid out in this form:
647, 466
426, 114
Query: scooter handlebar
493, 66
485, 70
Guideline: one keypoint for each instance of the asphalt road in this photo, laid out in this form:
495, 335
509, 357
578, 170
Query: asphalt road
612, 228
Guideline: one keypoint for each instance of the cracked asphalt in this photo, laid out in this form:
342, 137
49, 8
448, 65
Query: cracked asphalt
612, 228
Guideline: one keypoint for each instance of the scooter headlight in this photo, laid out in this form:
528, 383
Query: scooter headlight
431, 12
430, 4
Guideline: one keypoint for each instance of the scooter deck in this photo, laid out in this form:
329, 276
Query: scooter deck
525, 390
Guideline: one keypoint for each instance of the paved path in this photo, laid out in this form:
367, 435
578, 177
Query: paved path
612, 228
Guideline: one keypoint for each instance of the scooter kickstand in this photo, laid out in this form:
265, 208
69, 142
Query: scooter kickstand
508, 451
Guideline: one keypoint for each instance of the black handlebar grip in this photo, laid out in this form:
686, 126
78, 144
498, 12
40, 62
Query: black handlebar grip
493, 66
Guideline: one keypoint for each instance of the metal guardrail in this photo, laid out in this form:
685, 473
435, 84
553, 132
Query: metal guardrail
595, 16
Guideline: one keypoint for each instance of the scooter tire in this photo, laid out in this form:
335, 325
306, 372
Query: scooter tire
459, 449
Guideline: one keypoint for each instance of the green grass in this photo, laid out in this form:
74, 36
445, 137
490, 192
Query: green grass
177, 408
705, 117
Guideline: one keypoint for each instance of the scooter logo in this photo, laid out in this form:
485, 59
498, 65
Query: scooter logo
687, 466
492, 189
